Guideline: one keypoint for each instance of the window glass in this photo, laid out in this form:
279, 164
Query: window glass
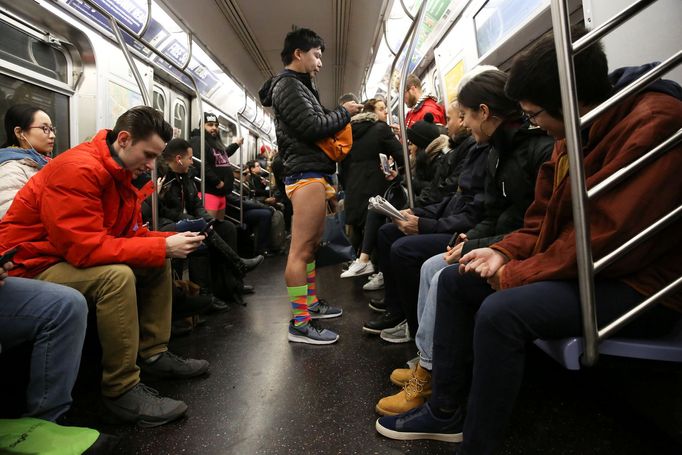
228, 130
179, 120
13, 91
28, 52
497, 18
159, 101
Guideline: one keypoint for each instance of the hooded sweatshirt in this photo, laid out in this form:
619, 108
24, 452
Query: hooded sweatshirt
17, 166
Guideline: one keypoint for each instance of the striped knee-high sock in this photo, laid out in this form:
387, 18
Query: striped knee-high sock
298, 296
312, 287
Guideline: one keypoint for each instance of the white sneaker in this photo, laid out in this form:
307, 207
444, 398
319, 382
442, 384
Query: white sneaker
375, 282
397, 334
358, 268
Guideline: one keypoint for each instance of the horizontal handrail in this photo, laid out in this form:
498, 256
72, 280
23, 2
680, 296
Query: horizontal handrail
626, 171
636, 240
636, 86
613, 22
633, 313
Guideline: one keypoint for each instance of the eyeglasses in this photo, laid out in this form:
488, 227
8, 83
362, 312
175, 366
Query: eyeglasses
531, 117
46, 129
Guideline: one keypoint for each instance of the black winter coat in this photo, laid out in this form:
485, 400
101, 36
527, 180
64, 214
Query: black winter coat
178, 200
513, 164
360, 173
301, 121
218, 167
465, 208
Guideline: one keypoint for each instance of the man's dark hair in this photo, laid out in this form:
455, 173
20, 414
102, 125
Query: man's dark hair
488, 88
534, 75
301, 38
177, 146
250, 164
141, 122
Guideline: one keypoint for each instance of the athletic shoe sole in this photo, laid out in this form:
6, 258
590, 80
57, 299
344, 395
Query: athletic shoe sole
408, 436
354, 274
394, 340
301, 339
127, 416
372, 331
377, 309
325, 316
372, 288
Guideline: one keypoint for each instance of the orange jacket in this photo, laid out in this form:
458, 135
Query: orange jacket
81, 208
424, 106
544, 249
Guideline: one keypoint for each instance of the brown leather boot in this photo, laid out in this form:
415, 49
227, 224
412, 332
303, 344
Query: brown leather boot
413, 395
401, 376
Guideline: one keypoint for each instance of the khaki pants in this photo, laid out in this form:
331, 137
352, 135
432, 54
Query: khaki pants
133, 308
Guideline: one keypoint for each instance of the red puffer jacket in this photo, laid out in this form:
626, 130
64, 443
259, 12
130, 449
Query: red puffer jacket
81, 208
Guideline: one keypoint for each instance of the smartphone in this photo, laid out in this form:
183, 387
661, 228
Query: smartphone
207, 228
384, 163
453, 240
5, 258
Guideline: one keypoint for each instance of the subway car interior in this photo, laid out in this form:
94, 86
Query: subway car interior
280, 384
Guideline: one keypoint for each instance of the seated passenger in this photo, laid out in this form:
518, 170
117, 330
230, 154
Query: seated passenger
77, 222
507, 198
30, 140
361, 176
52, 318
525, 286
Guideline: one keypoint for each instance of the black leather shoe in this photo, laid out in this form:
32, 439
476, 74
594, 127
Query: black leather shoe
248, 289
218, 306
385, 321
250, 264
377, 305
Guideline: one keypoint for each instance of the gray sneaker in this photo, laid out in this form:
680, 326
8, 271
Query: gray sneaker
397, 334
169, 365
323, 311
310, 334
143, 405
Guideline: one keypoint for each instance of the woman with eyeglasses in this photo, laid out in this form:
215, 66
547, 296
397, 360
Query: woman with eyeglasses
30, 140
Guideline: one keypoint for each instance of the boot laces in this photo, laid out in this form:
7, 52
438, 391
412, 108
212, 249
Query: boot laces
414, 386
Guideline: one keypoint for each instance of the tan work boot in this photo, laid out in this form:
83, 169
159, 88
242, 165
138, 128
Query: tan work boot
418, 388
401, 376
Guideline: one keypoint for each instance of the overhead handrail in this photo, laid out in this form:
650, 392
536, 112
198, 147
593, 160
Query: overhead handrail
579, 195
388, 46
407, 11
133, 68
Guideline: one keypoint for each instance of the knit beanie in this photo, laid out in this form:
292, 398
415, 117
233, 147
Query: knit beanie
423, 132
210, 117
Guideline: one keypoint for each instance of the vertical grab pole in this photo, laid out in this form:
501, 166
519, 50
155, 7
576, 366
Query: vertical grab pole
147, 102
202, 133
585, 264
401, 103
240, 115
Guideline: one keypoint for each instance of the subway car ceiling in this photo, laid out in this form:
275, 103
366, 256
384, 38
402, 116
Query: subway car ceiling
64, 55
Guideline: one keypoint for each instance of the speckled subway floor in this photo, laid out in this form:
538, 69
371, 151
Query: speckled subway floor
265, 395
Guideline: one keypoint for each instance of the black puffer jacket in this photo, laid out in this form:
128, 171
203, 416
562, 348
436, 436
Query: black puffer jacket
360, 172
218, 167
178, 200
301, 121
513, 164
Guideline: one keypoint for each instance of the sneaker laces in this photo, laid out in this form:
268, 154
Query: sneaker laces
175, 357
320, 307
148, 390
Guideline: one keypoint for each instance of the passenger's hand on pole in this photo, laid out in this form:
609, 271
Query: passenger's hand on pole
453, 254
352, 107
396, 129
3, 271
409, 227
494, 281
182, 244
484, 262
238, 140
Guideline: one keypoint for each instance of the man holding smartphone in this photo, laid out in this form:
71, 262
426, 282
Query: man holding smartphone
78, 223
52, 318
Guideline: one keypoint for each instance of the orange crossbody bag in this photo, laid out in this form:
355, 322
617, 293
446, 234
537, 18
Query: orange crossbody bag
338, 146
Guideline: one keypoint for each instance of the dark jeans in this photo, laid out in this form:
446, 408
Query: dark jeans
488, 330
400, 259
259, 220
373, 222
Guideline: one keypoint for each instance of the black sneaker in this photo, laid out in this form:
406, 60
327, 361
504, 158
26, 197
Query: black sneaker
169, 365
385, 321
143, 405
378, 305
218, 306
250, 264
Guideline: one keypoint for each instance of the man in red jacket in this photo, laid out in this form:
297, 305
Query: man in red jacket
420, 104
525, 286
78, 223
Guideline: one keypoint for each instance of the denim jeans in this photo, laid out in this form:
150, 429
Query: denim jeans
480, 340
426, 308
53, 318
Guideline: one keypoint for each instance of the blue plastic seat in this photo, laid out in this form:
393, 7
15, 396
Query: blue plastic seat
568, 351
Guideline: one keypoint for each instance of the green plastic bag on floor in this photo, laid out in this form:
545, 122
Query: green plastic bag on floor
35, 436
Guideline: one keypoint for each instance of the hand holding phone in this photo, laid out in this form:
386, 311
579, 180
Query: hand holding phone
384, 164
208, 228
5, 258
